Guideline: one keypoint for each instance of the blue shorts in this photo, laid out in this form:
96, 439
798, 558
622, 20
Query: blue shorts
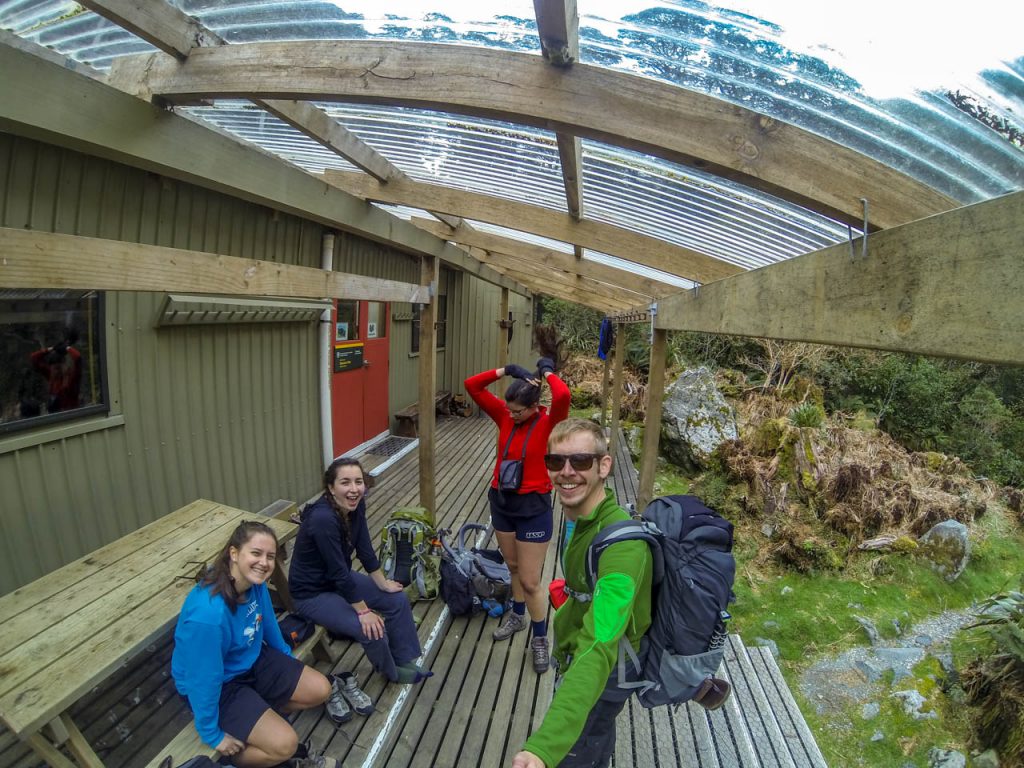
528, 515
269, 684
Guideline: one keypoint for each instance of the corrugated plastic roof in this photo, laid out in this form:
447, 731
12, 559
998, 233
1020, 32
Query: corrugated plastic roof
927, 132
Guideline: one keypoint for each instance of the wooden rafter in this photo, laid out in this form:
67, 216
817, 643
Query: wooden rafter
512, 265
177, 34
589, 101
561, 290
948, 285
46, 260
548, 258
539, 220
558, 26
111, 124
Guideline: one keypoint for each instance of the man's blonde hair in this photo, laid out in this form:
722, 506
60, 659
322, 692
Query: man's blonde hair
563, 430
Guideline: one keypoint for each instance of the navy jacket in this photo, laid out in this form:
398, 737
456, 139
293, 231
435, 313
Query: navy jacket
322, 555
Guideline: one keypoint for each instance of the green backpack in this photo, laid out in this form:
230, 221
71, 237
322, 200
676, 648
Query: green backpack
409, 552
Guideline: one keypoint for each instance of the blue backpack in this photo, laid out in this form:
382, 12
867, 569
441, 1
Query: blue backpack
692, 583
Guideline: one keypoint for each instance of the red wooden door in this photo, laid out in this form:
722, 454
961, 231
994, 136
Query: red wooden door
359, 378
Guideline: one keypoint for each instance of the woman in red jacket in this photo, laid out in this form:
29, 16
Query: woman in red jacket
520, 493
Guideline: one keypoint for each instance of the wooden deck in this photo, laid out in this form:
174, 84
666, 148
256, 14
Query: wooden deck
484, 699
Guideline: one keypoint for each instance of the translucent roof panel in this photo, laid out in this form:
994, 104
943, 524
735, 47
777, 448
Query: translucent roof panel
626, 189
938, 95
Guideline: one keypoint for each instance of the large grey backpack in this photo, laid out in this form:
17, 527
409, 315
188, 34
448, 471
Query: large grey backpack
693, 576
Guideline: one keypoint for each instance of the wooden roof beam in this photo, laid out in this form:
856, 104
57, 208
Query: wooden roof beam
948, 285
606, 238
111, 124
558, 25
618, 108
47, 260
173, 32
548, 257
511, 265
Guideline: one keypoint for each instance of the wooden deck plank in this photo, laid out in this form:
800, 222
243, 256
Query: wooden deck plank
785, 708
764, 729
485, 698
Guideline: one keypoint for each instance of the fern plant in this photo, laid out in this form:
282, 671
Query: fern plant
994, 682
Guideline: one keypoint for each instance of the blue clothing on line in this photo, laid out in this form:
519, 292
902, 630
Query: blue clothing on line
213, 644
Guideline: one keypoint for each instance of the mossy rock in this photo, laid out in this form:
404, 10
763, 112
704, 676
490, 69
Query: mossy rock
904, 545
802, 389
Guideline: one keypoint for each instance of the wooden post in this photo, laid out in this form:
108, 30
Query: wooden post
617, 384
652, 424
428, 385
502, 340
605, 387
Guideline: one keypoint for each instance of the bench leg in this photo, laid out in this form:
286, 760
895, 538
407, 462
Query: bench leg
79, 747
48, 752
64, 731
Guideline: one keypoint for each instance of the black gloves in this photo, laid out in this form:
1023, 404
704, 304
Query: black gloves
545, 365
518, 372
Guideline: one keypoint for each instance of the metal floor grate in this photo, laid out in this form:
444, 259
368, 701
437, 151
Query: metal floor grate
390, 446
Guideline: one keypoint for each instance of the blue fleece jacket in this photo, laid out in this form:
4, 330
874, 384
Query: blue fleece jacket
322, 553
213, 644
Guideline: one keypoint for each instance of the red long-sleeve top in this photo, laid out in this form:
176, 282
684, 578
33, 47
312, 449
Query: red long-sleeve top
535, 476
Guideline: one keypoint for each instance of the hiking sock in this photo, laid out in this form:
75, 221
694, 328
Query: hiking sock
519, 608
540, 628
410, 673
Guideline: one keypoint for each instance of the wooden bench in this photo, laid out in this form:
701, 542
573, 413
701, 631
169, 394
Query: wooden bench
65, 633
409, 417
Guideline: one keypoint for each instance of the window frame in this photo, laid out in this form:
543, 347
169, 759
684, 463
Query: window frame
440, 325
101, 408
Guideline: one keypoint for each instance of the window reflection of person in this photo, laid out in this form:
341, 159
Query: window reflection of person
61, 364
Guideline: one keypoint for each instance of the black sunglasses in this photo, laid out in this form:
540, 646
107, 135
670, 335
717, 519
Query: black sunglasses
581, 462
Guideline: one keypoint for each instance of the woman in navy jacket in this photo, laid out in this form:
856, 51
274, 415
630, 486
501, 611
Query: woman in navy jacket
369, 608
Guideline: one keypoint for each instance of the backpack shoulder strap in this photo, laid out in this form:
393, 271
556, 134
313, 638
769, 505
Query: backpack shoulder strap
625, 530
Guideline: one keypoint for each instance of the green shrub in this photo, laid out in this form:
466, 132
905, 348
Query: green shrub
807, 416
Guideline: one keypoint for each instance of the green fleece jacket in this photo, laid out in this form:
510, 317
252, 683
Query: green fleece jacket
587, 634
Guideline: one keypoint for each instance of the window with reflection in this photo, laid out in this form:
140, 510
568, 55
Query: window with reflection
52, 357
441, 323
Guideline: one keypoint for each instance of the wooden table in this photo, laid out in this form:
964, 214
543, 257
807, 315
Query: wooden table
66, 632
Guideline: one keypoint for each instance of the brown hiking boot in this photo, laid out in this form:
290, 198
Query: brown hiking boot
713, 693
513, 623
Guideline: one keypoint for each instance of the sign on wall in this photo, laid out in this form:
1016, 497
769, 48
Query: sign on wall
348, 357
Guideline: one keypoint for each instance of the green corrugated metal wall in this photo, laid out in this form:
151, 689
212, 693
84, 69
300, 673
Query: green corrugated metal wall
223, 412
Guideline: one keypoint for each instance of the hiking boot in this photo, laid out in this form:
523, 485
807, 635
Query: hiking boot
541, 655
337, 705
514, 623
354, 695
316, 759
712, 693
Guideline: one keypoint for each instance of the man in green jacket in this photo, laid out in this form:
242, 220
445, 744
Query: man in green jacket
579, 728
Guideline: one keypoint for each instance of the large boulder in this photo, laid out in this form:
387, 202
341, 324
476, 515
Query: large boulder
695, 420
948, 547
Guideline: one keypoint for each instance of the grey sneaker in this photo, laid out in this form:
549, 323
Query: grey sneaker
541, 655
514, 623
316, 759
337, 707
354, 695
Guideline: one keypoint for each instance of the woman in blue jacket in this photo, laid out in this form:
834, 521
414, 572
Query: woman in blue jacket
367, 607
232, 664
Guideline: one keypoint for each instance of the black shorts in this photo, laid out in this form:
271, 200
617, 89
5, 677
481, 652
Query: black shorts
269, 684
528, 515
